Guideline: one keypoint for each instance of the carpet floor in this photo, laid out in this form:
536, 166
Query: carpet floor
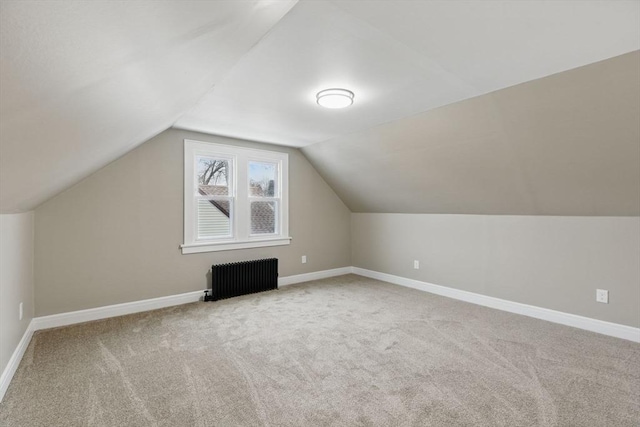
341, 351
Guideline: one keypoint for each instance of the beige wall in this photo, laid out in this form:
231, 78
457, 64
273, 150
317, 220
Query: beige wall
551, 262
16, 281
114, 237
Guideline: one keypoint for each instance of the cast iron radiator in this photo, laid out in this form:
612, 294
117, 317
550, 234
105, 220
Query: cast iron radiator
241, 278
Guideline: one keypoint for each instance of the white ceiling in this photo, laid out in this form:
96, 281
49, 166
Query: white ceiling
400, 59
82, 83
566, 144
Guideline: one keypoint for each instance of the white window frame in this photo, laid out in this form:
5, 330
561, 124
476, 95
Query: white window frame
241, 237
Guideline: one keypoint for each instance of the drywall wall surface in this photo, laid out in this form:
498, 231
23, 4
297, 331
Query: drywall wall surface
16, 280
115, 236
551, 262
567, 144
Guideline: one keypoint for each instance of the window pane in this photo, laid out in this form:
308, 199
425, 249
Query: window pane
213, 218
213, 176
263, 217
262, 179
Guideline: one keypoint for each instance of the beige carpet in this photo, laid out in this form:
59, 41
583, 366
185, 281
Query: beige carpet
341, 351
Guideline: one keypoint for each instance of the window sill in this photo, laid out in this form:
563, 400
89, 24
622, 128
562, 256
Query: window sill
230, 246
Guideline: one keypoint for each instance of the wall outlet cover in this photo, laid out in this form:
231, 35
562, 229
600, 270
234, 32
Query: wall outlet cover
602, 295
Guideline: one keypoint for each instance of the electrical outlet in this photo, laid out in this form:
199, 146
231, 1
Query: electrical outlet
602, 295
20, 311
304, 259
416, 264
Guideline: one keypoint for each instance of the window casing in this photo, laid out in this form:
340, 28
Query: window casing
234, 197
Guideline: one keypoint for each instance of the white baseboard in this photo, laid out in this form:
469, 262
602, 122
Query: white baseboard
316, 275
73, 317
80, 316
14, 362
607, 328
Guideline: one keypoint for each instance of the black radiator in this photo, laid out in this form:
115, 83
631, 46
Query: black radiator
241, 278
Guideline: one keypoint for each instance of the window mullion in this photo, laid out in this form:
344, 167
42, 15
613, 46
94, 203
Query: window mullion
242, 215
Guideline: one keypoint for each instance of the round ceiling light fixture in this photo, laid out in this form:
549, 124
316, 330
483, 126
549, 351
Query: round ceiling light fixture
334, 98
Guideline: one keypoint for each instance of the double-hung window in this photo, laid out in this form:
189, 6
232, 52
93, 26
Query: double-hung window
234, 197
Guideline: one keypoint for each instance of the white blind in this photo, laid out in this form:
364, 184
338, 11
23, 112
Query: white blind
211, 221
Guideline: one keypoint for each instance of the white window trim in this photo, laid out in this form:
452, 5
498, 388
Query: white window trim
241, 219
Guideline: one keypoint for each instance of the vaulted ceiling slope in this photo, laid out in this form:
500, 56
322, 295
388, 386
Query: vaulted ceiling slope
567, 144
82, 83
402, 58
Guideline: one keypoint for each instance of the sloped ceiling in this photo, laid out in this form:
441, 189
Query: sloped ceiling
567, 144
82, 83
402, 58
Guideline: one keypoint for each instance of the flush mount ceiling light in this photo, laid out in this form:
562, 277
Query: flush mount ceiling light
334, 98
